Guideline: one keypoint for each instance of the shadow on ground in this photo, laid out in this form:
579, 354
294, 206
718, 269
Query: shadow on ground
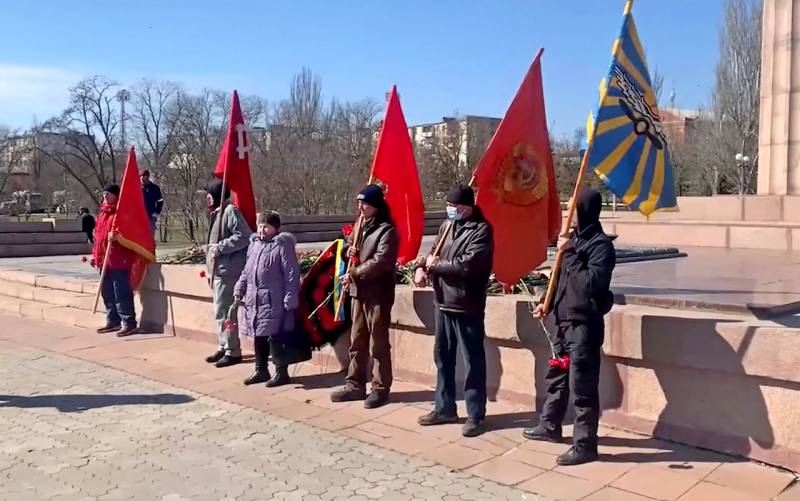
79, 403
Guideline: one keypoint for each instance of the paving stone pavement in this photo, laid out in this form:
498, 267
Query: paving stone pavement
74, 430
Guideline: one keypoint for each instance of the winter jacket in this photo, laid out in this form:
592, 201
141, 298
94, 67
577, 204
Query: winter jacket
270, 285
583, 294
461, 274
230, 261
153, 201
87, 223
373, 279
119, 258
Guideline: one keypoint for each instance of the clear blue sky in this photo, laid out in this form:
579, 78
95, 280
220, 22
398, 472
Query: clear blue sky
444, 55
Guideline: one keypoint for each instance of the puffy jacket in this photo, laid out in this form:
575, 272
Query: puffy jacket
583, 294
269, 284
119, 258
461, 274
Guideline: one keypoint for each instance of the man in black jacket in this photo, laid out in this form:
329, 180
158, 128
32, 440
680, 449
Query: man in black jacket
153, 200
460, 277
582, 298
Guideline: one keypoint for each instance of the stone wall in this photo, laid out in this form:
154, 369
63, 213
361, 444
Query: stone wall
724, 382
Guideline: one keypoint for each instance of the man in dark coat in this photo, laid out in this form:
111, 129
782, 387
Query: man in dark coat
582, 299
460, 276
371, 284
153, 200
87, 224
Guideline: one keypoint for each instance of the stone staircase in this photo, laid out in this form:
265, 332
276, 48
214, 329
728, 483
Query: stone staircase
53, 237
46, 297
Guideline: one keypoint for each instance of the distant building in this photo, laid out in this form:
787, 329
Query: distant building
680, 124
462, 134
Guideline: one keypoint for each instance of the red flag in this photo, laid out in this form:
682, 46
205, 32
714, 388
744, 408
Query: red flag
234, 159
517, 186
132, 223
395, 168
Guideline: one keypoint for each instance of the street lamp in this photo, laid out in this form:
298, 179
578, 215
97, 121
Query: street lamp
123, 96
742, 161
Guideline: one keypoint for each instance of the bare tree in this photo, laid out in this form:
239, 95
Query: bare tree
737, 89
158, 109
86, 131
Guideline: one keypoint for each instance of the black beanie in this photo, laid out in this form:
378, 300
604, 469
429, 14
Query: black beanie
113, 189
372, 195
463, 195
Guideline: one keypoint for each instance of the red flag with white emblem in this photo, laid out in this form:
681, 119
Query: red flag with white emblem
233, 166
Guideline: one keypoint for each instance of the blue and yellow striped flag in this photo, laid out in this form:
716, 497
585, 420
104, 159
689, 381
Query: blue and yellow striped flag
628, 148
340, 268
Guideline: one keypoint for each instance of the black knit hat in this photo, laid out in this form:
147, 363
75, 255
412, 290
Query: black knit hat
145, 173
372, 195
269, 217
113, 189
462, 195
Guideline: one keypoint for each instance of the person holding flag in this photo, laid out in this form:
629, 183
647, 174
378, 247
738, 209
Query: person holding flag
388, 232
115, 286
226, 255
231, 227
124, 246
460, 276
371, 285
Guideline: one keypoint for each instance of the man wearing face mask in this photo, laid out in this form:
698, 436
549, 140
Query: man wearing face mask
460, 276
226, 255
582, 299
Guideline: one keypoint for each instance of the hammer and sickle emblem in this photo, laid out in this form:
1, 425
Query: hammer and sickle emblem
243, 145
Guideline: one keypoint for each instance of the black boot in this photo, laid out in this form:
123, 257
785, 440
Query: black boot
212, 359
280, 378
261, 372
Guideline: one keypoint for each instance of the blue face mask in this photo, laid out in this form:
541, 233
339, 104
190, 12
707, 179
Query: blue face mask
452, 213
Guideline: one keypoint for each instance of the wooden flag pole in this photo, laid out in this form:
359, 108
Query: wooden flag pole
219, 223
102, 275
571, 206
440, 243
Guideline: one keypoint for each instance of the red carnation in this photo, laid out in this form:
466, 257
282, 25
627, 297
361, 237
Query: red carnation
229, 326
347, 230
559, 363
202, 273
84, 259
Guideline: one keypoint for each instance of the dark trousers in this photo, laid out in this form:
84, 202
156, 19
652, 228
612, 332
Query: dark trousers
583, 343
118, 298
453, 329
370, 338
263, 346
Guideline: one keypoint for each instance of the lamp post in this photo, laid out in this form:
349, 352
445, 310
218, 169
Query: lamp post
123, 96
742, 161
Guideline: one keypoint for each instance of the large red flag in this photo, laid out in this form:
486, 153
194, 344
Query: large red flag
235, 160
395, 168
517, 186
132, 223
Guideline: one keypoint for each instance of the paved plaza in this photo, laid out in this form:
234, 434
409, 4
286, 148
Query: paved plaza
92, 417
74, 430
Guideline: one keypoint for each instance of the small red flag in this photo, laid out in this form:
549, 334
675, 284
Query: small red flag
395, 168
234, 158
517, 185
132, 223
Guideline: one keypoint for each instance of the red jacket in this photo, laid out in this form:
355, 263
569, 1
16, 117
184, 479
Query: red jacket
119, 258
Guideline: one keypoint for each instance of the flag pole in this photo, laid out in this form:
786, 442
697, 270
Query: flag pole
219, 222
440, 243
565, 228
